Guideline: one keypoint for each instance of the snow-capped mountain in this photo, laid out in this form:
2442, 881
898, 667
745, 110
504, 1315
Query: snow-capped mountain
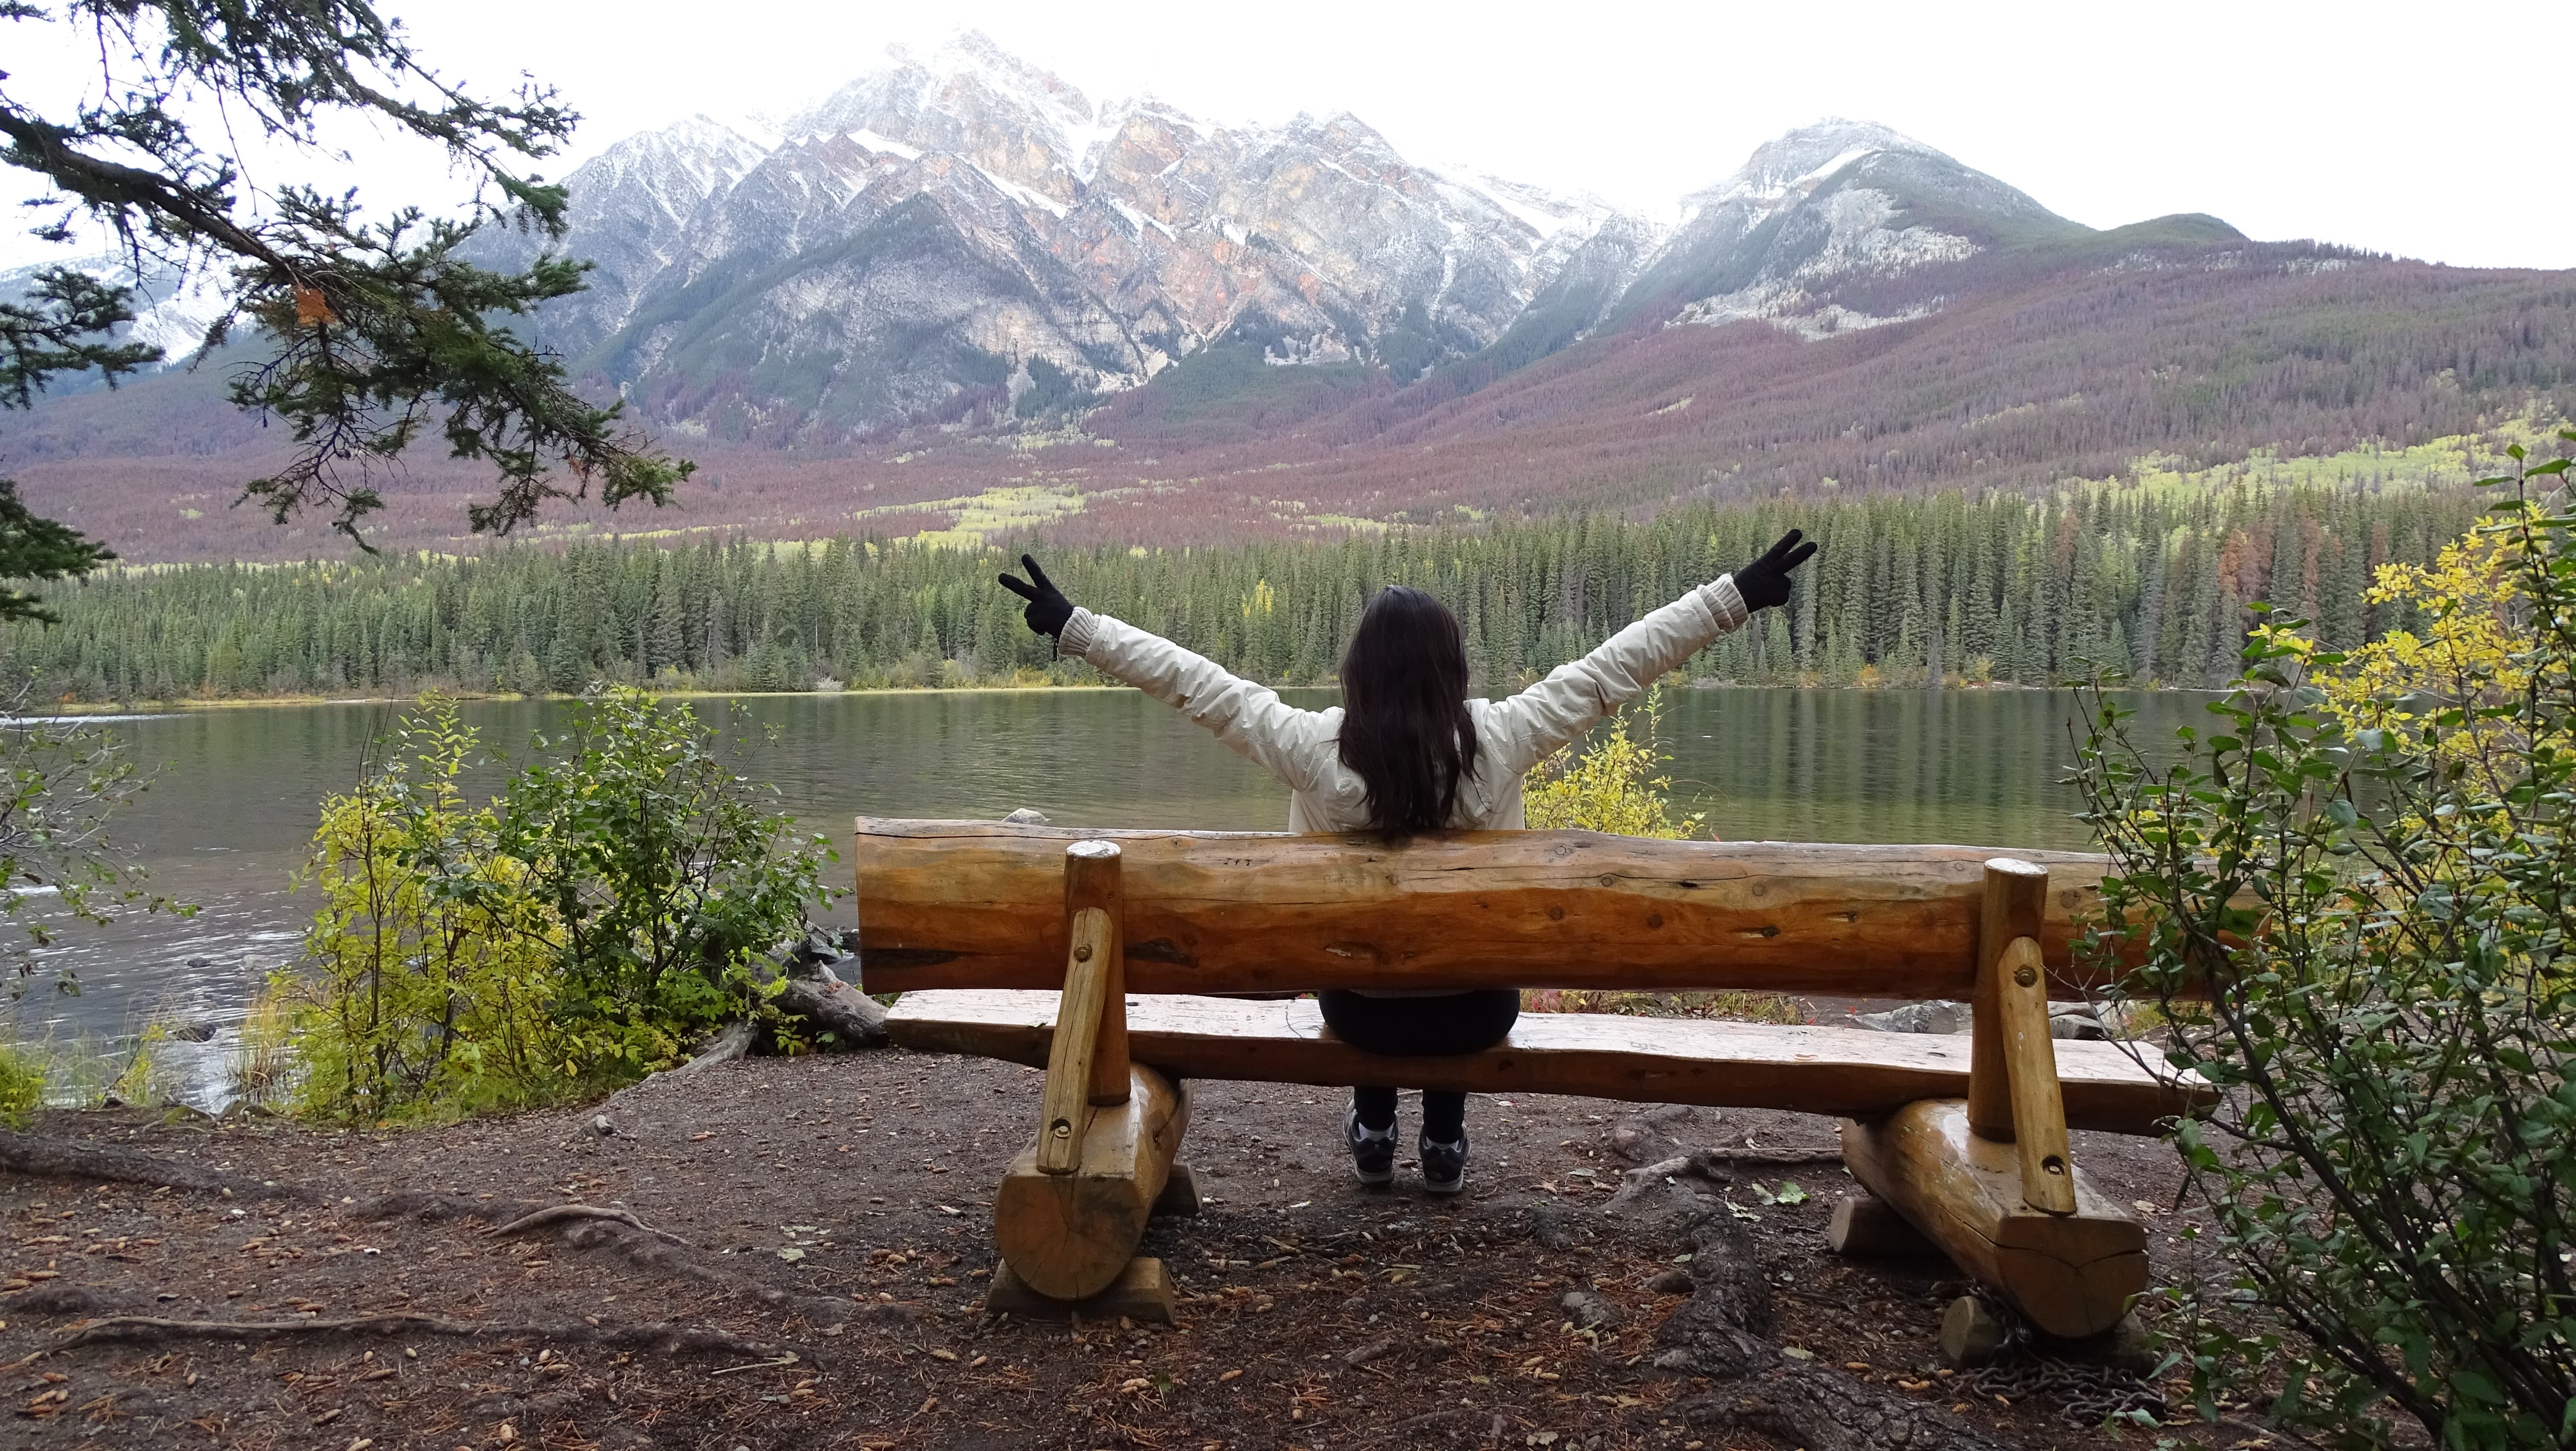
1822, 209
962, 233
962, 223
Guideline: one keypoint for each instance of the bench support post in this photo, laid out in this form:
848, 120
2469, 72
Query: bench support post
2038, 1105
2013, 1093
2011, 906
1092, 882
1087, 1062
1070, 1236
1990, 1179
1074, 1204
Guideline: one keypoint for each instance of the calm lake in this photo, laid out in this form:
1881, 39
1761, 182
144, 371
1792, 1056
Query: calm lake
226, 824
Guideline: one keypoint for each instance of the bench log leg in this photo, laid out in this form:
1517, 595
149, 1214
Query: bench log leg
2072, 1274
1070, 1236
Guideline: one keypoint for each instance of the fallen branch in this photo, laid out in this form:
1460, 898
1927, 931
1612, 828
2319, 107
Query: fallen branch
830, 1005
1374, 1350
724, 1047
661, 1335
559, 1213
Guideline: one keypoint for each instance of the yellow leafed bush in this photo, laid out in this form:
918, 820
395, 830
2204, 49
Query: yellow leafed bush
2472, 651
1616, 784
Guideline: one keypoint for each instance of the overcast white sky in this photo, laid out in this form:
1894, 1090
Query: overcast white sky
2426, 130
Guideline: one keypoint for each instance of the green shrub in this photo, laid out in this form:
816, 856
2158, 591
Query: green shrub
662, 873
426, 979
262, 1069
581, 930
1731, 1004
2381, 921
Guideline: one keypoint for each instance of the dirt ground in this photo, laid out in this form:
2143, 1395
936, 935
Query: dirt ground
836, 1211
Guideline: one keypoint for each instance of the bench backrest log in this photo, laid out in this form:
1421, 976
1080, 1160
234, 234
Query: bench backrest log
950, 904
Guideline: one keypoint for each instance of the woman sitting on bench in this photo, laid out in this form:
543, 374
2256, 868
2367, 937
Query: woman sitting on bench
1407, 750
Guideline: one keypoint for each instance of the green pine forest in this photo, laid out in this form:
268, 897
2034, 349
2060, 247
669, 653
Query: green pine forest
2154, 582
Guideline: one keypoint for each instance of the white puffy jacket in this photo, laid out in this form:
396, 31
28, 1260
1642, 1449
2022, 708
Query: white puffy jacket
1301, 747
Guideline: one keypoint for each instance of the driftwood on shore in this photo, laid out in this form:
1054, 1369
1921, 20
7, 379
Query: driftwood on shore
817, 995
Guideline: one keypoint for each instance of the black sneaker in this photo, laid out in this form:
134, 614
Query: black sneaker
1372, 1150
1444, 1166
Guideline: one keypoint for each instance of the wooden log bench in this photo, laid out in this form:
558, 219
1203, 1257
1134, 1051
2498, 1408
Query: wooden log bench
1102, 955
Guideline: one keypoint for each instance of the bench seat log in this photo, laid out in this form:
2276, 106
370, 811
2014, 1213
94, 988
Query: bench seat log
2073, 1274
1835, 1071
978, 904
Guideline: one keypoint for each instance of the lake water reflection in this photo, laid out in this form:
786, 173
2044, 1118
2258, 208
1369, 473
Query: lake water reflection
227, 823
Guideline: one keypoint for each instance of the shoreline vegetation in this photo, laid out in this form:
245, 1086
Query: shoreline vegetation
186, 704
2161, 585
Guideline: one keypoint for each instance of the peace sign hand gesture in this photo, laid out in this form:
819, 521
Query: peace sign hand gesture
1764, 583
1048, 609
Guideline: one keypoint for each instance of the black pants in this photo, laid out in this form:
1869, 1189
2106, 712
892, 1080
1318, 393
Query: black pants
1421, 1028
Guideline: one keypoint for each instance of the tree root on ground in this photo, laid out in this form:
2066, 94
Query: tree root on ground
663, 1336
559, 1213
586, 1227
646, 1252
45, 1158
1722, 1332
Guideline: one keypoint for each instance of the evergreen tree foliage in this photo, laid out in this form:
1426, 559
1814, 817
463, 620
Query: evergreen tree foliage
60, 326
2041, 590
377, 330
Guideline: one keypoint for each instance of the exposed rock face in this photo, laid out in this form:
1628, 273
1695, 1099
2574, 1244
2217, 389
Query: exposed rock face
963, 230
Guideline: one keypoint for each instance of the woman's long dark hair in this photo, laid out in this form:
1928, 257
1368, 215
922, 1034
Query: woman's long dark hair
1405, 728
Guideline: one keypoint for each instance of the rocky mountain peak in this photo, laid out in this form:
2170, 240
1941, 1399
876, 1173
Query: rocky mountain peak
1804, 158
684, 162
974, 100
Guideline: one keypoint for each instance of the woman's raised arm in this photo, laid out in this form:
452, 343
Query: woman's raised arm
1577, 695
1249, 717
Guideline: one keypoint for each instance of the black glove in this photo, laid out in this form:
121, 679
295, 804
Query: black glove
1049, 610
1764, 583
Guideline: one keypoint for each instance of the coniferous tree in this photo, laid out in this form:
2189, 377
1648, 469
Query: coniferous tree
375, 329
